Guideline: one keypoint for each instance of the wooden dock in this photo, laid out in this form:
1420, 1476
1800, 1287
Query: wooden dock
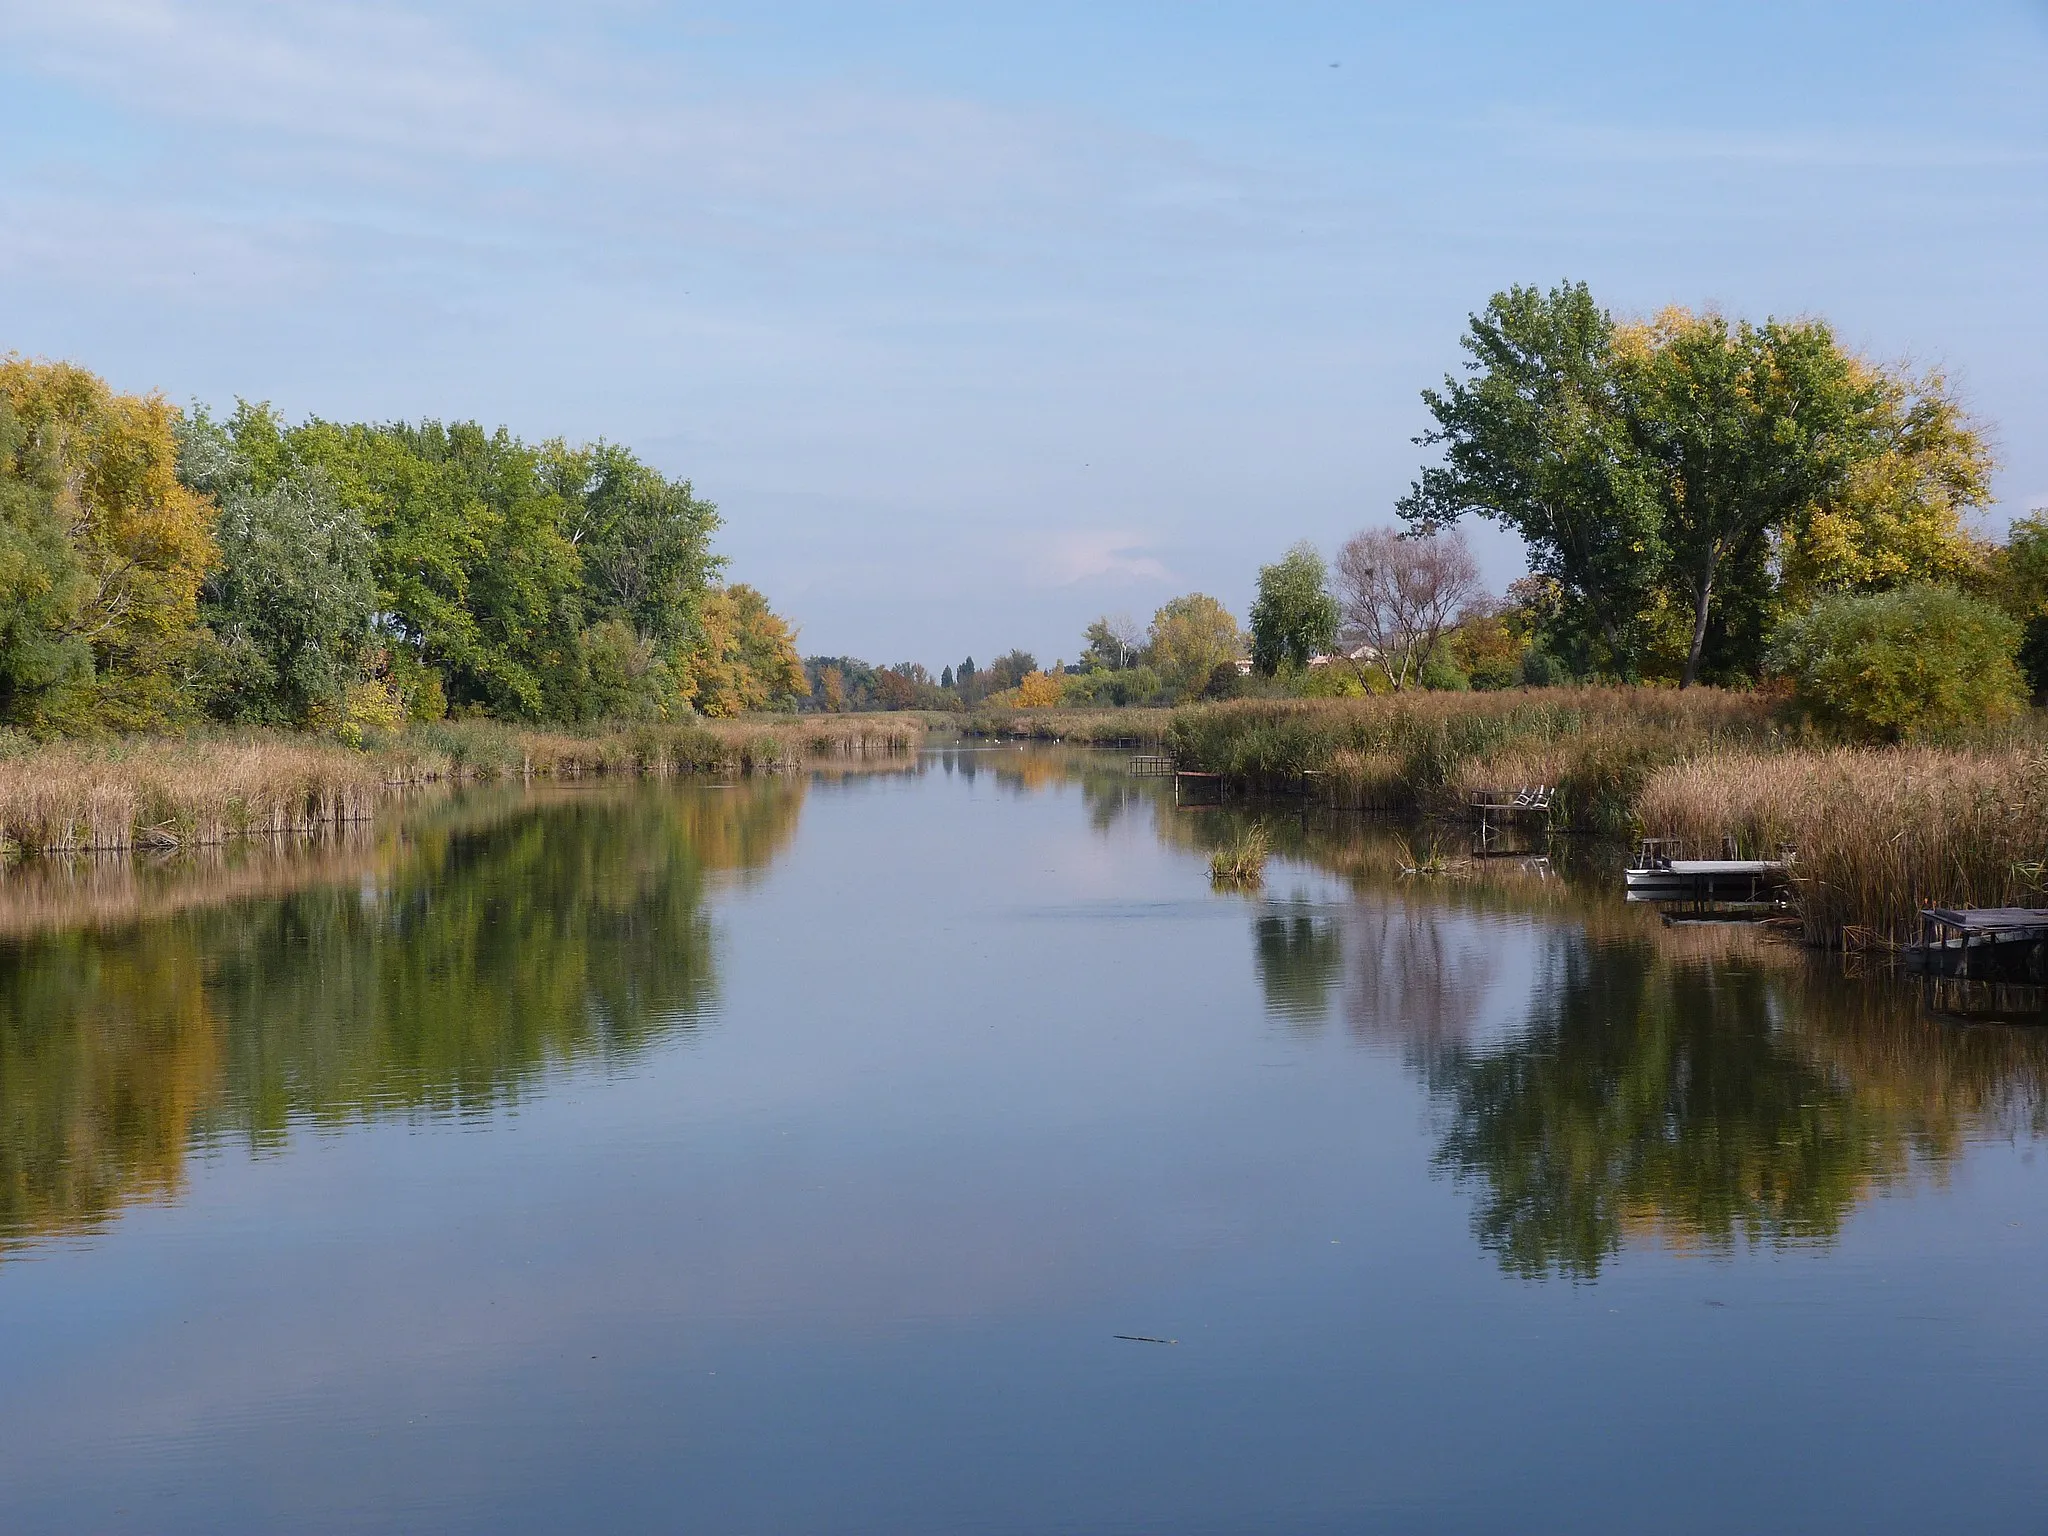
1984, 943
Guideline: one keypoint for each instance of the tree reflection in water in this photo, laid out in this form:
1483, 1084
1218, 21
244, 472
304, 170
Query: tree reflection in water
492, 940
1703, 1088
1700, 1088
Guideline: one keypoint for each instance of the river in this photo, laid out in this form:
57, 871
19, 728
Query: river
934, 1150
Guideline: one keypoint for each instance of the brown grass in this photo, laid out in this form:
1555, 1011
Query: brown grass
1879, 832
186, 793
1424, 751
174, 794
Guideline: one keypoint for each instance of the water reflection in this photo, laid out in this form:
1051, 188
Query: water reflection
1600, 1080
1699, 1087
440, 969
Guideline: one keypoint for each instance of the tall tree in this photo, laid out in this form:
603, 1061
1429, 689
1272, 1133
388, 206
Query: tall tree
43, 585
1113, 643
1294, 616
291, 601
1191, 637
1539, 439
142, 540
1747, 427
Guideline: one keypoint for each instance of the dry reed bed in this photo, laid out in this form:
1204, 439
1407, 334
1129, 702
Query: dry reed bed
175, 794
1424, 752
186, 793
1880, 832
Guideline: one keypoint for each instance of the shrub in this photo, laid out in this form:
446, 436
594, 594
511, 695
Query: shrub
1895, 665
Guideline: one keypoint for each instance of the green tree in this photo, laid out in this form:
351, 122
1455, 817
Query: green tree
43, 586
1901, 664
291, 601
2019, 579
544, 582
1190, 638
1540, 439
1294, 616
1008, 670
1747, 427
1113, 644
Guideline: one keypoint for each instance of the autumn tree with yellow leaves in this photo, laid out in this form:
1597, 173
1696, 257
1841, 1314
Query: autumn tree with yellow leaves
103, 556
747, 658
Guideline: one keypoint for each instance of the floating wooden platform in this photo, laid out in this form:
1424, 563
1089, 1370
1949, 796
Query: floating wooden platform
1709, 880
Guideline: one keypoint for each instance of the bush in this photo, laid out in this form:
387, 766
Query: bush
1896, 665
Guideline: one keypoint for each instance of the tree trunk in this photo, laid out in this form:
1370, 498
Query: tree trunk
1701, 609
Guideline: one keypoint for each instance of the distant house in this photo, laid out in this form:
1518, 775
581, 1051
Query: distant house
1244, 666
1362, 653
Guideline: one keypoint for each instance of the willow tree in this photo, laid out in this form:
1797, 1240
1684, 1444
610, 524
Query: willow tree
1294, 616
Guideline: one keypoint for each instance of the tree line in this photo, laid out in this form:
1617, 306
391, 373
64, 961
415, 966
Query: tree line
1702, 500
161, 567
1689, 487
1192, 649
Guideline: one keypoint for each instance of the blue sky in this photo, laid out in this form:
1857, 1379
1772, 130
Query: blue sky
979, 320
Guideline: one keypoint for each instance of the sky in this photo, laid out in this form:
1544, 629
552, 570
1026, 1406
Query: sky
980, 320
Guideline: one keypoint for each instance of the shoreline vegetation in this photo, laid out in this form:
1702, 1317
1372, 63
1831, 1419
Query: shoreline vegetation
141, 793
1879, 831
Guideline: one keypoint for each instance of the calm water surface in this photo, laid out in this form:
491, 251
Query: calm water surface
789, 1157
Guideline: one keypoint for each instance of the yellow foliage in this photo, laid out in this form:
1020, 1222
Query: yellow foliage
1899, 517
145, 540
1038, 690
747, 658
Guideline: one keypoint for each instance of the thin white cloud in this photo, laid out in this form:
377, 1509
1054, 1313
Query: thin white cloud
1111, 557
386, 100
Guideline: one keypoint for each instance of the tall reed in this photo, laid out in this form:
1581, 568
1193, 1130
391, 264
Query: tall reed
171, 794
1878, 832
1424, 752
200, 792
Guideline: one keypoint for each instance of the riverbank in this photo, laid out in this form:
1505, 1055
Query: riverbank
1879, 831
1423, 754
202, 791
1076, 727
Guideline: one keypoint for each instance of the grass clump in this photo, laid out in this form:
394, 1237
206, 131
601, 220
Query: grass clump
1242, 860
